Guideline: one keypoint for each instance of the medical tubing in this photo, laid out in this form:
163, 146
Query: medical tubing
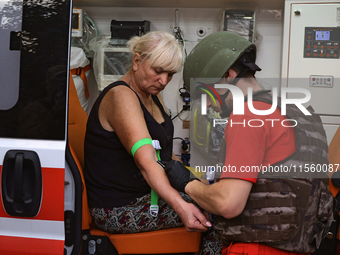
93, 24
114, 64
179, 84
177, 114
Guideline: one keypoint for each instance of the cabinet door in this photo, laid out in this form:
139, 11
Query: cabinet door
34, 64
313, 56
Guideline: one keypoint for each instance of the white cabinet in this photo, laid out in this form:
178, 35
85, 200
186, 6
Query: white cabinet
310, 57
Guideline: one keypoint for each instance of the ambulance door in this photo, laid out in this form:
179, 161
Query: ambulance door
34, 59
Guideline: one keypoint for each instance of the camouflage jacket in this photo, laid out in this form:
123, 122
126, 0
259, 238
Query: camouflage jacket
291, 211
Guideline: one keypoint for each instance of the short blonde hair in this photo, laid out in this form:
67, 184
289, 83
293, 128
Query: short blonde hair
161, 48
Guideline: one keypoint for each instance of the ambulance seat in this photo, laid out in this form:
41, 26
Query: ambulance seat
176, 240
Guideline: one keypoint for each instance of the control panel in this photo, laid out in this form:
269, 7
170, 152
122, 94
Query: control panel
325, 81
322, 42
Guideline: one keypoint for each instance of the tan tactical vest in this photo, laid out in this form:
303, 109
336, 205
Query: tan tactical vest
290, 214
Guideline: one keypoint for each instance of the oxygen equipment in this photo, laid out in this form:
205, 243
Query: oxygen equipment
83, 30
115, 62
112, 59
77, 22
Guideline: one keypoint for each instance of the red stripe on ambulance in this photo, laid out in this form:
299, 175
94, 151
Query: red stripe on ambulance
52, 206
15, 245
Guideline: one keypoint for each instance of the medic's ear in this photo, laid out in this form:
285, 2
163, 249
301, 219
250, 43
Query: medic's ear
230, 74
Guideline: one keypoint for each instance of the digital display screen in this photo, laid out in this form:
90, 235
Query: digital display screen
322, 35
75, 20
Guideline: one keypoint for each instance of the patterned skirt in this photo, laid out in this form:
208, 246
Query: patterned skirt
136, 217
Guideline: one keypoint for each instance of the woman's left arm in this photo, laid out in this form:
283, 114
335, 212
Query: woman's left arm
129, 125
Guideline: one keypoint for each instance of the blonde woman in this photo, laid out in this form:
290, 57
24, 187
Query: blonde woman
126, 112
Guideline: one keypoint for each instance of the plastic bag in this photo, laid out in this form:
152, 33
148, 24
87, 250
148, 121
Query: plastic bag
241, 19
110, 62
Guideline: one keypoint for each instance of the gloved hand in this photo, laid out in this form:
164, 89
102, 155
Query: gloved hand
179, 176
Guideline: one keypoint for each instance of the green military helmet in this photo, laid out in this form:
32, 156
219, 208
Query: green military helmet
212, 57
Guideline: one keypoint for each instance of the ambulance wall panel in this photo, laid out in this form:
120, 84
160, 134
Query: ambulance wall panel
269, 24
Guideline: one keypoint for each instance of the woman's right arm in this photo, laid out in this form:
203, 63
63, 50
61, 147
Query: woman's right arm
120, 111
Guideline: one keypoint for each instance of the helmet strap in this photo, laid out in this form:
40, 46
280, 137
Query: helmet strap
225, 110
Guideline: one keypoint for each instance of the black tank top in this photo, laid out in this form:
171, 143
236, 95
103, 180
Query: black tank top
111, 175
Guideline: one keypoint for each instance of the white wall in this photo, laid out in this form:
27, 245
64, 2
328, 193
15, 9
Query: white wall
269, 25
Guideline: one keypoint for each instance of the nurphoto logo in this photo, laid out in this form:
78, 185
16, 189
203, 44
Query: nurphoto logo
238, 100
238, 105
213, 131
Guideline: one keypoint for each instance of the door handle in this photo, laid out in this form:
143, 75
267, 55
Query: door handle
18, 205
21, 183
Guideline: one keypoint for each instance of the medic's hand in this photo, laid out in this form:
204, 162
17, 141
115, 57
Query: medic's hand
178, 174
194, 219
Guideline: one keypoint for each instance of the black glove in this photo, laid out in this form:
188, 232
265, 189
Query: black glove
179, 176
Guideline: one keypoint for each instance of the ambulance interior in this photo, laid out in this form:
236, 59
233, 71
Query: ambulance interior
274, 26
280, 29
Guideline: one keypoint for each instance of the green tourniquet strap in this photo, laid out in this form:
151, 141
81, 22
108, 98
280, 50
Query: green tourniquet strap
158, 153
154, 198
139, 144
